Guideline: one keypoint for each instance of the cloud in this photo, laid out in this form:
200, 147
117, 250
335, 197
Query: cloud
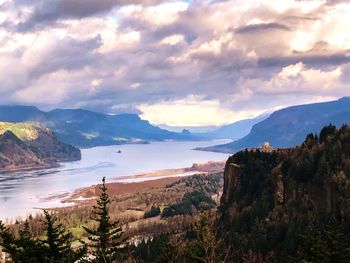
47, 12
263, 27
221, 59
191, 111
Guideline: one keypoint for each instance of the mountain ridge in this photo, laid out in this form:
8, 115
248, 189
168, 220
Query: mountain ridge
287, 127
85, 128
26, 146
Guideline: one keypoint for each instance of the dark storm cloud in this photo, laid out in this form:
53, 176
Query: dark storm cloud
263, 27
68, 54
334, 2
48, 12
310, 60
74, 54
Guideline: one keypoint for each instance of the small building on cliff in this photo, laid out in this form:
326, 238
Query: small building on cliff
264, 148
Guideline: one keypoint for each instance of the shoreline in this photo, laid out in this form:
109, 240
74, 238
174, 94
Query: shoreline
88, 195
119, 186
196, 168
128, 184
30, 168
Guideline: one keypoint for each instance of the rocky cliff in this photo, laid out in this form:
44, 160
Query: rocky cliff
29, 146
17, 155
271, 197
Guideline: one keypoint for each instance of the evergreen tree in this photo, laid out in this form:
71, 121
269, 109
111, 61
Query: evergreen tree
338, 243
21, 249
7, 241
169, 253
57, 245
327, 131
29, 249
313, 248
205, 247
106, 240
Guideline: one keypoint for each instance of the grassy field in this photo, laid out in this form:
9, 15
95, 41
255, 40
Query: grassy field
24, 130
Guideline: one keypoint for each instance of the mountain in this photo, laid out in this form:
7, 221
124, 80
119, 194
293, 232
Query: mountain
17, 155
22, 114
85, 128
290, 205
28, 146
198, 130
288, 127
235, 130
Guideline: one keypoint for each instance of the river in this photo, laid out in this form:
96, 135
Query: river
23, 192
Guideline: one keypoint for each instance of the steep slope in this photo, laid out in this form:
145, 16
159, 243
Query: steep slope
288, 127
41, 141
85, 128
17, 155
272, 198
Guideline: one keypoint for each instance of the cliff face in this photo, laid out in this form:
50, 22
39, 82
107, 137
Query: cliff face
17, 155
53, 149
28, 146
274, 194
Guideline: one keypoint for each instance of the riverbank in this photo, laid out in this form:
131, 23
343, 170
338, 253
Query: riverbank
131, 201
22, 192
29, 168
126, 185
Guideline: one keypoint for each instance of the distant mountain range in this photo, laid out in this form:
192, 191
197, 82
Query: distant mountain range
85, 128
288, 127
234, 131
26, 146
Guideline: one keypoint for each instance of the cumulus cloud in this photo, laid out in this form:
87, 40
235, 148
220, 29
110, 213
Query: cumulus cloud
45, 13
262, 27
174, 61
191, 111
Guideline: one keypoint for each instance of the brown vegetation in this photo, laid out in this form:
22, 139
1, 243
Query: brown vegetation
129, 202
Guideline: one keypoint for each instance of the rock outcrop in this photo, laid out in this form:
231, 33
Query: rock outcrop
25, 146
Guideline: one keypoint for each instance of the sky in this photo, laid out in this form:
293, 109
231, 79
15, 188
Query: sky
179, 63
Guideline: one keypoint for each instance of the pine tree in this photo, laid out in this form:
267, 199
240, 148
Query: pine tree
7, 241
313, 247
168, 253
21, 249
338, 243
58, 241
206, 247
29, 249
106, 241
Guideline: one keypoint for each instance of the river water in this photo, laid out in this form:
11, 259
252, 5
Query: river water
23, 193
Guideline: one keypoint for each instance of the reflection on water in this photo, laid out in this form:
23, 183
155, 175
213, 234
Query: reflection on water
21, 192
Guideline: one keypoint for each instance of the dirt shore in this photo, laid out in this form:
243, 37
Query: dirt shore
154, 179
209, 167
88, 194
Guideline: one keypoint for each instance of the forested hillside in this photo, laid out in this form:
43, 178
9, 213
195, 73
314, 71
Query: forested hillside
293, 204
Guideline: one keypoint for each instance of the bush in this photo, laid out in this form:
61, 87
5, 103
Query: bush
195, 199
155, 211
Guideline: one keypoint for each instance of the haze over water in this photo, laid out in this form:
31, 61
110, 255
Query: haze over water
21, 192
